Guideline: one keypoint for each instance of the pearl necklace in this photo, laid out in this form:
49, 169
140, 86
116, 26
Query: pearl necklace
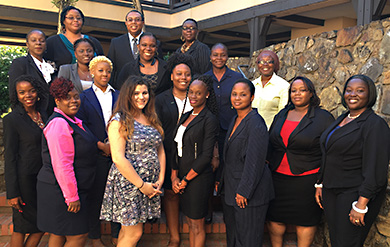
349, 116
194, 114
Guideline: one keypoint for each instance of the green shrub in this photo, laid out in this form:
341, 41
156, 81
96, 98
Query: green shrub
7, 54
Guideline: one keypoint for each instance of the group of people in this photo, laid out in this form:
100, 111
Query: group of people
95, 138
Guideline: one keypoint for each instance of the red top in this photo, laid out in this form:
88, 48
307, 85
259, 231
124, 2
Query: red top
284, 167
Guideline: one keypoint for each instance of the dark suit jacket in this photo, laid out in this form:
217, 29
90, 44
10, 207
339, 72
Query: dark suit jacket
303, 149
133, 68
245, 171
168, 113
198, 143
91, 113
22, 143
357, 154
201, 54
120, 53
69, 71
26, 66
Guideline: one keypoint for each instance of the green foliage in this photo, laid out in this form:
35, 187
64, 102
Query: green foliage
7, 55
63, 3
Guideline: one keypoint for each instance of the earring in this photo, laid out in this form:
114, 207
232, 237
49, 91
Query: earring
92, 75
207, 97
182, 38
38, 99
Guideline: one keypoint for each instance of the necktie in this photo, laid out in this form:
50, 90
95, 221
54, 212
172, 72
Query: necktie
135, 49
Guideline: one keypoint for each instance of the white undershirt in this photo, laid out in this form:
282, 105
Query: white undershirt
179, 139
45, 68
105, 101
180, 105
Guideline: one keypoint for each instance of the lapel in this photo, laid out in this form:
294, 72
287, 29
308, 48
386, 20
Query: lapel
115, 95
76, 79
171, 105
305, 121
346, 129
126, 46
23, 114
240, 127
33, 65
197, 119
91, 97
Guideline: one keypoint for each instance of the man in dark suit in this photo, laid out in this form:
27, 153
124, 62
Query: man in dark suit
123, 49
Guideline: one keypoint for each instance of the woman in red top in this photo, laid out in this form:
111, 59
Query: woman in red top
294, 155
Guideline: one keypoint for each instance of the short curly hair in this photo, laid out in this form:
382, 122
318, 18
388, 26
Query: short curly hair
60, 88
33, 81
98, 59
179, 58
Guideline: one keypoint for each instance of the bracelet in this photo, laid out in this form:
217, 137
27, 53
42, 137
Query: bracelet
318, 186
141, 185
185, 179
361, 211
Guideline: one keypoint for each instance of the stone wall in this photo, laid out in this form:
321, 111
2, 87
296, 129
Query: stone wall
329, 59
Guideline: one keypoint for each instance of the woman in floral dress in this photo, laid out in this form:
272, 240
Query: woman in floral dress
137, 173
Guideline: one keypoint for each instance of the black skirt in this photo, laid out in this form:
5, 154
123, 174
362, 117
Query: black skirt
294, 201
26, 221
53, 215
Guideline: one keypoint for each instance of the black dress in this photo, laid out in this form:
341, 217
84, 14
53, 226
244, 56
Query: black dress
53, 216
198, 144
22, 142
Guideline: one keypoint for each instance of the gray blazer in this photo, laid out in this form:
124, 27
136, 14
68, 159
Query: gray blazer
69, 71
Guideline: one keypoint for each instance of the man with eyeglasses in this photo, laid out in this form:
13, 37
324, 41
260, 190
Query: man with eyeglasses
123, 49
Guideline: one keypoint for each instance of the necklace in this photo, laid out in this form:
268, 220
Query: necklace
194, 114
86, 74
38, 120
349, 116
185, 48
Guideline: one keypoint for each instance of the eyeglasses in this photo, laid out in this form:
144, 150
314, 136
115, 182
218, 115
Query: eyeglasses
262, 62
189, 28
135, 20
72, 18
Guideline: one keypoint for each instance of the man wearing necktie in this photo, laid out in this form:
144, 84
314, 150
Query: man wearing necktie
123, 49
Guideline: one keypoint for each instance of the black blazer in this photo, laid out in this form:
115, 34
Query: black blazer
199, 139
120, 54
132, 68
245, 171
91, 113
26, 66
303, 149
22, 143
168, 113
201, 54
357, 154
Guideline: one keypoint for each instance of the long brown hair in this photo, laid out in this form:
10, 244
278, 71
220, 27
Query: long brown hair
127, 109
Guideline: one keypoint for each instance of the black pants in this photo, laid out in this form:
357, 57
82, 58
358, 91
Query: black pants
244, 227
95, 199
337, 206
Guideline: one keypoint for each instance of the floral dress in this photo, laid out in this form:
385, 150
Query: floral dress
123, 202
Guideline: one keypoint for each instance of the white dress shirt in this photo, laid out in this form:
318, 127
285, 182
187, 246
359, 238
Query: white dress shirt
105, 101
45, 68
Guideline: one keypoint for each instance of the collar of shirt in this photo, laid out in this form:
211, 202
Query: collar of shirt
45, 68
109, 89
258, 81
75, 121
131, 38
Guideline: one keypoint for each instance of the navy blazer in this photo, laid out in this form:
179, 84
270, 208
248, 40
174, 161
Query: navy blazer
91, 113
245, 171
26, 66
357, 154
303, 149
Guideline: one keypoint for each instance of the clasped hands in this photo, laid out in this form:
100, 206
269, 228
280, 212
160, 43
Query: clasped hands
151, 189
178, 186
